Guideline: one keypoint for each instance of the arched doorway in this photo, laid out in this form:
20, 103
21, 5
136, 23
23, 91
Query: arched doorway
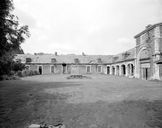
64, 68
117, 70
113, 70
52, 69
144, 63
123, 70
108, 69
130, 69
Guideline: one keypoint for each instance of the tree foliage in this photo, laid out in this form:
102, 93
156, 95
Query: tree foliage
11, 36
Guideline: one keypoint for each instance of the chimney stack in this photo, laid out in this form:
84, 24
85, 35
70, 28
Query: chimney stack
83, 54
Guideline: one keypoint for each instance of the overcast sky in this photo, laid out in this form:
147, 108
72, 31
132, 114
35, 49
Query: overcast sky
89, 26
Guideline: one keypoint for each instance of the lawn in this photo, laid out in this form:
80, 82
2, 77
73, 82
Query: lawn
100, 102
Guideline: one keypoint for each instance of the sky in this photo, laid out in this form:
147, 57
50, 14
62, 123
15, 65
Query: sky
101, 27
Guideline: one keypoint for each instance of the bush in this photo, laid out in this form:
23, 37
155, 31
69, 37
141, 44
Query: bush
17, 66
19, 73
6, 77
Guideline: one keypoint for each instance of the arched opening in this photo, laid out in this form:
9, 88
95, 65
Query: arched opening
64, 68
108, 69
144, 63
130, 69
117, 70
52, 69
113, 70
123, 70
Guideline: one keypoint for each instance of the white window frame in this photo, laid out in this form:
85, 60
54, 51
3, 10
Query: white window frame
38, 68
89, 68
98, 68
51, 69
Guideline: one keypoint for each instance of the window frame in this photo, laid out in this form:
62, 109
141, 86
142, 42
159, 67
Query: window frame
88, 66
100, 68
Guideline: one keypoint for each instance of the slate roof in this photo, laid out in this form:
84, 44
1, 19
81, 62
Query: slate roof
83, 59
46, 58
125, 56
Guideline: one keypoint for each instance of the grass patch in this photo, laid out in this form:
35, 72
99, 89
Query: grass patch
23, 103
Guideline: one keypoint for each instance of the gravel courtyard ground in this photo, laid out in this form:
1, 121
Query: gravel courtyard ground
100, 102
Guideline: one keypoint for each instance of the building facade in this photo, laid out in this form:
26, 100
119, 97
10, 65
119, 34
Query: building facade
144, 61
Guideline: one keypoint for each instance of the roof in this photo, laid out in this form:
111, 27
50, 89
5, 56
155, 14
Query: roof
125, 56
83, 59
46, 58
147, 29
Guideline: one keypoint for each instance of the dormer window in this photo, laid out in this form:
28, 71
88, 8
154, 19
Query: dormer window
99, 60
28, 60
53, 60
88, 69
99, 68
125, 55
115, 58
76, 60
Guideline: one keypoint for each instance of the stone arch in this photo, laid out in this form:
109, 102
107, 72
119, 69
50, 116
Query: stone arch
117, 70
143, 62
108, 69
123, 69
130, 69
113, 70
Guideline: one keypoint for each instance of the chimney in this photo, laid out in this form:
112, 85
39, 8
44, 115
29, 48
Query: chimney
83, 54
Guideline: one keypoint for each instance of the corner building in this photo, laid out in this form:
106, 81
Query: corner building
144, 61
148, 60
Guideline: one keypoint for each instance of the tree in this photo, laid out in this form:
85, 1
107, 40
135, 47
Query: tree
11, 36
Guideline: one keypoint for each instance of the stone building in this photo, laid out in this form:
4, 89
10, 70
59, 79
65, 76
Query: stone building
65, 64
144, 61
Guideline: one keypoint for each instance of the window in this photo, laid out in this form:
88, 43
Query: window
76, 60
99, 69
53, 60
88, 69
115, 58
28, 60
99, 60
125, 55
52, 69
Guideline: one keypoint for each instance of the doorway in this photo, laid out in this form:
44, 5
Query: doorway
52, 69
64, 68
108, 70
145, 73
40, 70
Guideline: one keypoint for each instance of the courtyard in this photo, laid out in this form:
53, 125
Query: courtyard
98, 101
